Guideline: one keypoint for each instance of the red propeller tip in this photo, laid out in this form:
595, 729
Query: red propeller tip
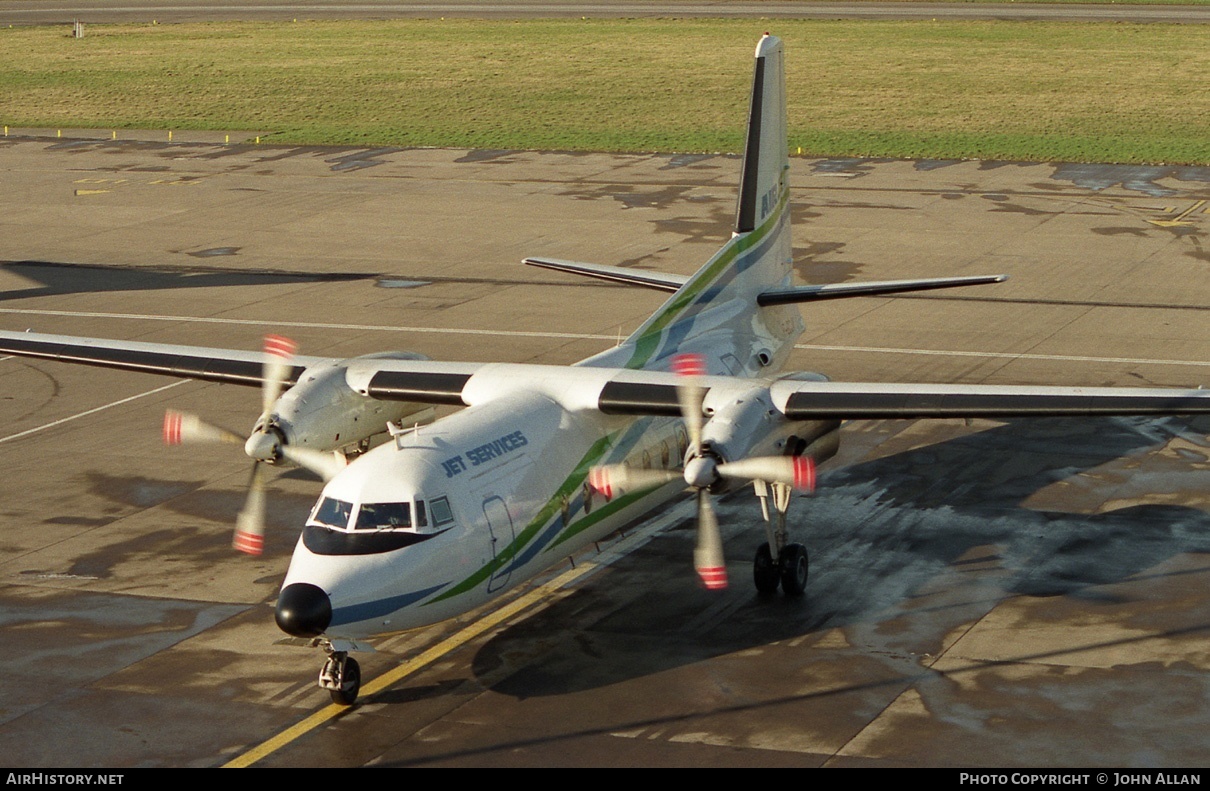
172, 428
714, 578
598, 479
280, 346
248, 543
804, 473
689, 365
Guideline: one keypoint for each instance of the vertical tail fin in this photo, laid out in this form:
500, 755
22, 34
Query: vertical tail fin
715, 313
766, 156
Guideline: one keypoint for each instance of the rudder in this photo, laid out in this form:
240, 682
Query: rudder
766, 154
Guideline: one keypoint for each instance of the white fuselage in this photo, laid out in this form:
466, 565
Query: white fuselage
501, 486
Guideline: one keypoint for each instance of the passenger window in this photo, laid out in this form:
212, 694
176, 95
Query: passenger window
441, 511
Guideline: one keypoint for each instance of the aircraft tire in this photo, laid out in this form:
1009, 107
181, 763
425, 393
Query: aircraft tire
350, 684
794, 566
765, 573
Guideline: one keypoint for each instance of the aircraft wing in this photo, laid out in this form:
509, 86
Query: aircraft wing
800, 400
612, 391
618, 391
232, 366
388, 377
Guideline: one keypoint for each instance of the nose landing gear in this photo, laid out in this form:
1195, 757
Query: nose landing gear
341, 676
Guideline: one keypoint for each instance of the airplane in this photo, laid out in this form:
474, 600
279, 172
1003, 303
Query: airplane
540, 461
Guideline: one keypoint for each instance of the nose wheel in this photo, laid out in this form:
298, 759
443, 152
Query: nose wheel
341, 676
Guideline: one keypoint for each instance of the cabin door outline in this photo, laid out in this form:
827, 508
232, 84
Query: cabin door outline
502, 533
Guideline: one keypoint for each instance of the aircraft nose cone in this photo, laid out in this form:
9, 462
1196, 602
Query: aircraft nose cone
303, 610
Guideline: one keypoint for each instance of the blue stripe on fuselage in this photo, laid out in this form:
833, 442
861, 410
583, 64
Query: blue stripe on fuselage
379, 607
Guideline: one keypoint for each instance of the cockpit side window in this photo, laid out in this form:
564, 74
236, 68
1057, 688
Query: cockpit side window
440, 508
333, 513
383, 516
422, 519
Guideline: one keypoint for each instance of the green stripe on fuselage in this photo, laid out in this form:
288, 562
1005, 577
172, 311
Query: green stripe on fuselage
647, 344
506, 555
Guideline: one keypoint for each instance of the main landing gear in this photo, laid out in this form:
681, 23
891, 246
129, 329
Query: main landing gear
790, 568
341, 676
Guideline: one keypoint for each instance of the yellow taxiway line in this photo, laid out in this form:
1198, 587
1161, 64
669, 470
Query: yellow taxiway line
404, 670
544, 593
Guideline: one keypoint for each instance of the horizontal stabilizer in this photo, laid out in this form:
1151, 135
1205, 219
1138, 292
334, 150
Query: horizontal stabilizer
616, 274
788, 296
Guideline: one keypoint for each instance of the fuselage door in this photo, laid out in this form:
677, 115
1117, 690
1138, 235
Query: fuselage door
501, 532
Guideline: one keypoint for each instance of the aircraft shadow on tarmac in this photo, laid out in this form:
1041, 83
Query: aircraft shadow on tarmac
905, 548
64, 278
892, 542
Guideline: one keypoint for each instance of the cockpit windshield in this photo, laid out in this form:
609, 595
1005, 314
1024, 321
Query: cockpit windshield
383, 516
415, 516
333, 513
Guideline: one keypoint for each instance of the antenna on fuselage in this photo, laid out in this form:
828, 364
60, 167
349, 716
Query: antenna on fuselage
399, 432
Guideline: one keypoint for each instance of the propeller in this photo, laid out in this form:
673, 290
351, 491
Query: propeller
266, 443
703, 470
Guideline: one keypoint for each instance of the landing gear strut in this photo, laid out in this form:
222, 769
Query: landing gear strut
341, 676
792, 564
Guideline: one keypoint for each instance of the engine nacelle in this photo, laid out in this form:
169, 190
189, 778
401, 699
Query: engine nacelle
322, 412
737, 418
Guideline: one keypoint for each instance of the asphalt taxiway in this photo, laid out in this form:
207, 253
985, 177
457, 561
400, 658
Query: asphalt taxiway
988, 593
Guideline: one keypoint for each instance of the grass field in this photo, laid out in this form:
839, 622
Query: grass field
1003, 90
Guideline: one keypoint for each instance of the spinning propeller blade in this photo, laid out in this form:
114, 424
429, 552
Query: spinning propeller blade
690, 392
265, 444
279, 352
250, 524
184, 427
325, 465
614, 479
708, 554
797, 472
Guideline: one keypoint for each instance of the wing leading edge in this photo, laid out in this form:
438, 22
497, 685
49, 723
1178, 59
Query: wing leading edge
384, 377
617, 391
231, 366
